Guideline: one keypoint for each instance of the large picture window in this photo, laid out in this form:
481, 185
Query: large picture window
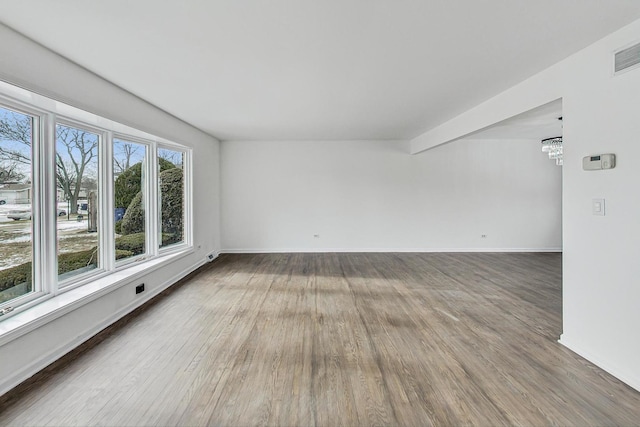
130, 199
78, 203
16, 197
77, 153
171, 196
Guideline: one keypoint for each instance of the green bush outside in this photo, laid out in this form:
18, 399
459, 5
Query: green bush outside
129, 182
126, 246
134, 243
118, 227
170, 238
15, 292
127, 194
77, 260
172, 195
133, 219
15, 276
127, 185
67, 262
121, 253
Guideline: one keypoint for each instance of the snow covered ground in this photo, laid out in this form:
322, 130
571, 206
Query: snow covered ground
4, 209
15, 236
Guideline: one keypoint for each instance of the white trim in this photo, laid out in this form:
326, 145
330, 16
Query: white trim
53, 308
46, 115
625, 377
33, 368
187, 197
78, 279
48, 102
107, 184
44, 208
187, 203
39, 118
150, 193
146, 187
390, 250
78, 124
175, 247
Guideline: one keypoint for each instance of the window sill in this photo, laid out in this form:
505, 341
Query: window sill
59, 305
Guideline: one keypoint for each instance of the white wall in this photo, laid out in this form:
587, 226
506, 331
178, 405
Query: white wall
373, 196
601, 295
29, 65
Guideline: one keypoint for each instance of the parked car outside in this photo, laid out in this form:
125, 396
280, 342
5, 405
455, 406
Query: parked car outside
19, 214
3, 202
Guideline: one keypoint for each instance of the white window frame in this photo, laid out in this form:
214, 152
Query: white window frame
186, 203
147, 189
46, 114
40, 286
82, 278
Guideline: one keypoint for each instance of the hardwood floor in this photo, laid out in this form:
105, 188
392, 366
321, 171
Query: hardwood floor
337, 339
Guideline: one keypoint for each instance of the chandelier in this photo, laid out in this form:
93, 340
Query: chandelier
553, 146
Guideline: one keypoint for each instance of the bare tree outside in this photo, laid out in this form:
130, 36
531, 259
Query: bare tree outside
122, 157
75, 151
15, 150
10, 172
16, 248
77, 176
174, 157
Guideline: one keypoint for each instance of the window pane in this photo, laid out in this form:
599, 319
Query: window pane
171, 196
16, 247
77, 200
129, 172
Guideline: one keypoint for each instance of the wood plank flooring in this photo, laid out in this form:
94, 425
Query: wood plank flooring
336, 339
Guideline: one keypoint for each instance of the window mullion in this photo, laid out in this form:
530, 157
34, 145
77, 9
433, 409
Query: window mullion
106, 203
188, 197
151, 200
39, 185
44, 208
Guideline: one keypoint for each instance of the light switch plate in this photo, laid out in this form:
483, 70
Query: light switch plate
597, 207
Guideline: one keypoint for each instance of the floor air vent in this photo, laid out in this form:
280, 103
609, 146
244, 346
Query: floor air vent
628, 58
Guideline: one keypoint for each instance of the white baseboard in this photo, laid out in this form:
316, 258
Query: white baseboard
628, 378
31, 369
382, 250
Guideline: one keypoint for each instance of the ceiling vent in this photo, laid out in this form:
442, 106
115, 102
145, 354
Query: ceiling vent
627, 59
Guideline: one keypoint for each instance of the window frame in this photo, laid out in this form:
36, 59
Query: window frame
46, 113
147, 188
186, 201
82, 278
38, 278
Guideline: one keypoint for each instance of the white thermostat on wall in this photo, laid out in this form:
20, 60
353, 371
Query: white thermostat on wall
599, 161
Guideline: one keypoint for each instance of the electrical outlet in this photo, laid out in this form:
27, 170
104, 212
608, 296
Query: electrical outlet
211, 256
597, 207
140, 288
484, 236
316, 236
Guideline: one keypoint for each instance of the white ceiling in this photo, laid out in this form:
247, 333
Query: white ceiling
330, 69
